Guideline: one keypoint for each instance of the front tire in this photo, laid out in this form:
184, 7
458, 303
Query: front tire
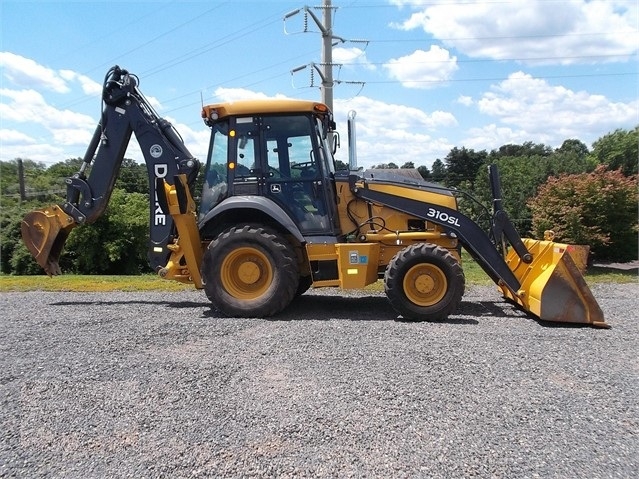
250, 272
424, 282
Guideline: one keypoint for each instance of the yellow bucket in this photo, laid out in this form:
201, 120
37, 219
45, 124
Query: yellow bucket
552, 285
44, 233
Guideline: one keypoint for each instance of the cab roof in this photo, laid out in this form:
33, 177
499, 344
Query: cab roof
261, 107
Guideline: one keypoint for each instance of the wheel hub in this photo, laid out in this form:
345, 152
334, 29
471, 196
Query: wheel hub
246, 273
424, 283
249, 272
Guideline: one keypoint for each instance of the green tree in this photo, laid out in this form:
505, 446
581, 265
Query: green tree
462, 166
133, 177
386, 166
425, 172
38, 183
9, 178
573, 146
116, 243
619, 149
598, 209
522, 175
438, 171
340, 165
526, 149
65, 169
14, 256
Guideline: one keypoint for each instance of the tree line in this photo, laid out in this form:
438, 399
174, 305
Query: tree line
586, 196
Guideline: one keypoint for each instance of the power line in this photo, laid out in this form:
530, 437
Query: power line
544, 77
504, 37
218, 43
492, 60
250, 29
454, 3
163, 34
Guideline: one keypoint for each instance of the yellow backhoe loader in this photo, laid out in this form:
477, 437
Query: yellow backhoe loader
275, 218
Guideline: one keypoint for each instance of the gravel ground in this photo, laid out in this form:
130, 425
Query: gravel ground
159, 385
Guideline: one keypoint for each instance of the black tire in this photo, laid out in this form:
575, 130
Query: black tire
304, 285
250, 272
424, 282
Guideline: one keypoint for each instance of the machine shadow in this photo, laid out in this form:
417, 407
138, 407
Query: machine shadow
377, 308
323, 307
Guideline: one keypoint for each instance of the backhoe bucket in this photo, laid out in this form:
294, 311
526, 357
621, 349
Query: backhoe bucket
44, 233
552, 285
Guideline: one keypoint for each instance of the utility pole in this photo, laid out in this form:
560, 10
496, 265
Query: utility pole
328, 42
23, 195
327, 55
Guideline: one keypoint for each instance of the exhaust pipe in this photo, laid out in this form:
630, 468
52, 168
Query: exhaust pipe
352, 140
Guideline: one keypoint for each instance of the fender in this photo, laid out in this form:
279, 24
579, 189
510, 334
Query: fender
264, 205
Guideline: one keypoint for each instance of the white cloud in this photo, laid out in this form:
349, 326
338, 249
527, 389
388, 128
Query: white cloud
72, 136
568, 32
88, 86
154, 102
489, 137
236, 94
531, 109
393, 133
26, 73
196, 140
540, 108
35, 151
12, 137
465, 100
423, 69
351, 56
29, 106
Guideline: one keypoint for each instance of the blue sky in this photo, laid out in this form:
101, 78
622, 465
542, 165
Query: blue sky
432, 75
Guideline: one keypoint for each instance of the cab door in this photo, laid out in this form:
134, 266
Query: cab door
245, 150
294, 172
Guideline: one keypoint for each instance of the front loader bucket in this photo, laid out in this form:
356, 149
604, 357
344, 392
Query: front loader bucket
44, 233
552, 285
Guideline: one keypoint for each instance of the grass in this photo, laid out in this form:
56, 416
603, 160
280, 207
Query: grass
82, 283
609, 275
475, 275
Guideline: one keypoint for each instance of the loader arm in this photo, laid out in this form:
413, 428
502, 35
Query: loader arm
125, 111
540, 276
471, 236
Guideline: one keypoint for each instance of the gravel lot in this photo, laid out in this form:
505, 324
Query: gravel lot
159, 385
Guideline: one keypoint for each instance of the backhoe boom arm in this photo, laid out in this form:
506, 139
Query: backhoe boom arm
125, 111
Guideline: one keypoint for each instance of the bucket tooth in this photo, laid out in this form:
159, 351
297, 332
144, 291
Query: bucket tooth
44, 233
552, 285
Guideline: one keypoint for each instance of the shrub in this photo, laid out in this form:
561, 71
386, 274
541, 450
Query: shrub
598, 209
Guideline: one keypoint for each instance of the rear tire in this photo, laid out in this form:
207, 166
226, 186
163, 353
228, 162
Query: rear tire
250, 272
424, 282
305, 283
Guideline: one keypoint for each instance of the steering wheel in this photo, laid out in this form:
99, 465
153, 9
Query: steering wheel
303, 166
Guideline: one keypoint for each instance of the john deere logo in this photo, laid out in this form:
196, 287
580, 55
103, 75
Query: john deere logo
156, 151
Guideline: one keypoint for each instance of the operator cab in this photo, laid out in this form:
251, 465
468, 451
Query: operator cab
275, 149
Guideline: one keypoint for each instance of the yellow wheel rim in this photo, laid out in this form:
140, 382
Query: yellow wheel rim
425, 284
246, 273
